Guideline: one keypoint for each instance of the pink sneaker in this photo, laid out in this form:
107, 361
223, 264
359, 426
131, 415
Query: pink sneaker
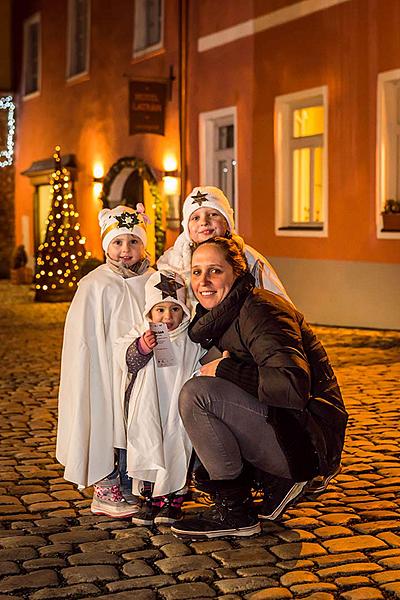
108, 500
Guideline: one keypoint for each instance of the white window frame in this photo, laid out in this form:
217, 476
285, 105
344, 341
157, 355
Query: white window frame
284, 106
386, 152
70, 37
207, 126
138, 26
27, 24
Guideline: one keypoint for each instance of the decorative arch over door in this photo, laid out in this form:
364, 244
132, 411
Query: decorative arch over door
130, 180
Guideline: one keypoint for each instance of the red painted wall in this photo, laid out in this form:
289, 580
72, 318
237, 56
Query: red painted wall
343, 47
90, 117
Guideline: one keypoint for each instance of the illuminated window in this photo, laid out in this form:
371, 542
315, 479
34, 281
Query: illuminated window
301, 163
78, 37
32, 55
148, 27
388, 147
306, 154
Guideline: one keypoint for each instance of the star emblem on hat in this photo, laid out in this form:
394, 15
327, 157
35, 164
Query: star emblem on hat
168, 286
127, 220
199, 198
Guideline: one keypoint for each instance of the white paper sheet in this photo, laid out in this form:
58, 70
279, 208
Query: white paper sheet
163, 352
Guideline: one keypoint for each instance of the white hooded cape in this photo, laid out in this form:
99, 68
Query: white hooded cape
91, 409
159, 449
178, 259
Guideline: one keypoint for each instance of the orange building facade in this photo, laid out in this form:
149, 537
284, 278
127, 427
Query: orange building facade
291, 107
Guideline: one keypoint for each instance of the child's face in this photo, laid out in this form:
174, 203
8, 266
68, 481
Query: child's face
126, 248
167, 312
205, 223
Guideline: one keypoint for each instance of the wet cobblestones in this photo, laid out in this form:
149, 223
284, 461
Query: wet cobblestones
341, 544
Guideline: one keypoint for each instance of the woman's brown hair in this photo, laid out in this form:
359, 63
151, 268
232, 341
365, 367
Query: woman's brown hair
231, 251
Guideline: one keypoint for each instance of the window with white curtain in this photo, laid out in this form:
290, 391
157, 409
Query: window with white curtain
78, 37
148, 26
218, 162
32, 55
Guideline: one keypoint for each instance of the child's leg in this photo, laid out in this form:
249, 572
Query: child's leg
114, 473
145, 516
170, 509
125, 480
108, 500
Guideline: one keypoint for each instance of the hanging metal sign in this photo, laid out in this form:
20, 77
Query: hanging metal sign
147, 100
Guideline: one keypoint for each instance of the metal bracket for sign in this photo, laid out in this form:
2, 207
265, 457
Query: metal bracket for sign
170, 80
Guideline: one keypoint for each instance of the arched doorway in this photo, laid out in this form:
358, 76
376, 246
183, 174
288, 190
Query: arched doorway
129, 181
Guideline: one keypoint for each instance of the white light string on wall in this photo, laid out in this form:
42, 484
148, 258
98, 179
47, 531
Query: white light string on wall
7, 151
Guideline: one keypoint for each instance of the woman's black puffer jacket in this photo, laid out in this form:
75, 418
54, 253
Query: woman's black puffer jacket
275, 356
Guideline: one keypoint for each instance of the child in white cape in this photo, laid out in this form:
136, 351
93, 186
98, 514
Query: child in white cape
91, 427
158, 447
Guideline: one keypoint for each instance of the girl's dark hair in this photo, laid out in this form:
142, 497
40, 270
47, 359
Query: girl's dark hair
232, 252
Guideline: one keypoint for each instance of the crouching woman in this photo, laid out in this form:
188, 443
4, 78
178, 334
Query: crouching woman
270, 403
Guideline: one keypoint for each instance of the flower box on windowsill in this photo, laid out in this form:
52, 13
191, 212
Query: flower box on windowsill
391, 221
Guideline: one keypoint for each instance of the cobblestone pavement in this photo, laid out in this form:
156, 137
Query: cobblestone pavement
343, 543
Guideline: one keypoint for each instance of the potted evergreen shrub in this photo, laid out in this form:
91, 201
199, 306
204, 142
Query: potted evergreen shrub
391, 215
20, 273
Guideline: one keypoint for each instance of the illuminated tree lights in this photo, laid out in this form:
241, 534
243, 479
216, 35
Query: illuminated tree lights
62, 253
7, 152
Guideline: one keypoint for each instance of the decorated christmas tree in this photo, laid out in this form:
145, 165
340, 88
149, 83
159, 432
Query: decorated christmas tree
62, 253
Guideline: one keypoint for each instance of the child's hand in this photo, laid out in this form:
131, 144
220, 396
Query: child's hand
147, 342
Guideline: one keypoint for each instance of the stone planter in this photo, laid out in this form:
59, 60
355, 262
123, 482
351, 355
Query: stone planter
23, 275
391, 221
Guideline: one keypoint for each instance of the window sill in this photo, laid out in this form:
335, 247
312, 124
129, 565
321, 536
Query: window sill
142, 55
31, 95
387, 234
302, 228
78, 78
303, 231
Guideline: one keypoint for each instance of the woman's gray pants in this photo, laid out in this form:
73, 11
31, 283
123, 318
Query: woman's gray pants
227, 425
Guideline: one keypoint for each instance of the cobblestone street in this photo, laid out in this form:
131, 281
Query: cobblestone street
343, 543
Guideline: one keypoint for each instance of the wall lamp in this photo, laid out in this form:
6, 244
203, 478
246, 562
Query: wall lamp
171, 181
98, 179
172, 173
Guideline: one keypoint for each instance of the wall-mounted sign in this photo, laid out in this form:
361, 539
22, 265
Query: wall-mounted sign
147, 101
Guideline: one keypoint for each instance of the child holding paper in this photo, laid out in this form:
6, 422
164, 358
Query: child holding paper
158, 361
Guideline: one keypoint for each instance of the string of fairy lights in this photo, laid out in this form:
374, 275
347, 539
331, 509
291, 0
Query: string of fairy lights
7, 153
62, 253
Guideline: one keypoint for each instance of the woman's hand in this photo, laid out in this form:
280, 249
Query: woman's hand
147, 342
210, 368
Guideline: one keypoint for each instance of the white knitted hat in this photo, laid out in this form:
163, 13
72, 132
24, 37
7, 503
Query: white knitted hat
207, 196
165, 286
120, 220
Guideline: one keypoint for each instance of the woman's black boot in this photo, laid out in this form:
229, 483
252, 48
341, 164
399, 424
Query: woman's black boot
279, 494
232, 514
